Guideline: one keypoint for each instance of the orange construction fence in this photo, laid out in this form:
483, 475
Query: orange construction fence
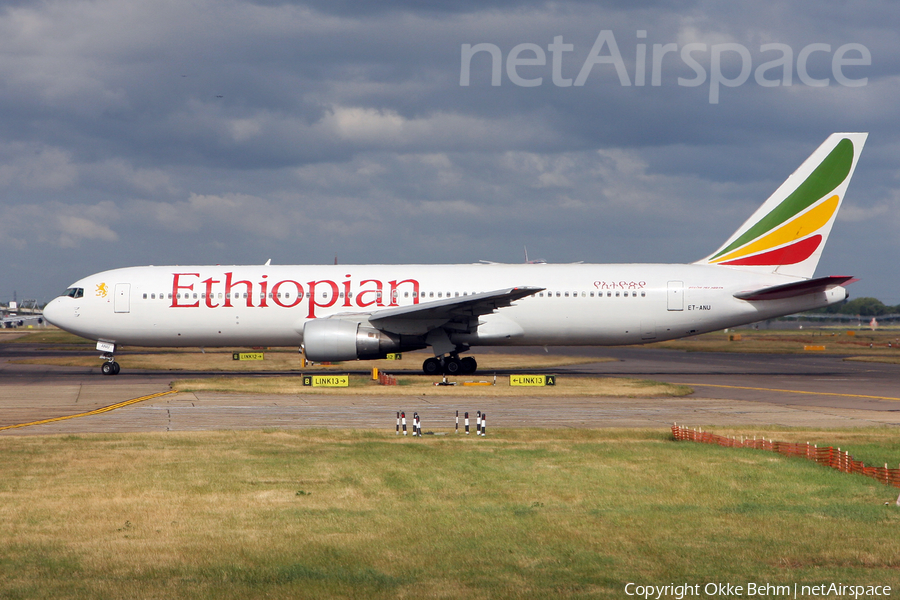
826, 455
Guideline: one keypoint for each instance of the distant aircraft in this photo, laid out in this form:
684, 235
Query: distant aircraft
347, 312
13, 319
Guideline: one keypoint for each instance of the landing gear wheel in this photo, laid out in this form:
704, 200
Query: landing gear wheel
110, 368
452, 366
431, 366
468, 365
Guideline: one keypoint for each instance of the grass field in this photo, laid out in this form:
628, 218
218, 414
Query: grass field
881, 343
520, 514
43, 335
421, 385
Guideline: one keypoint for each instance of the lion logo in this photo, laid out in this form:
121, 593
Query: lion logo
102, 290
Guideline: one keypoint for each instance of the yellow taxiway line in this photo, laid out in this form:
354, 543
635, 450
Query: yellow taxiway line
93, 412
741, 387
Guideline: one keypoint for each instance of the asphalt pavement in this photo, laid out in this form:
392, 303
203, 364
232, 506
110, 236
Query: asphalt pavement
731, 389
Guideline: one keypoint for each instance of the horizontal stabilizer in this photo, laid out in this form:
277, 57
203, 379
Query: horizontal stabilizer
798, 288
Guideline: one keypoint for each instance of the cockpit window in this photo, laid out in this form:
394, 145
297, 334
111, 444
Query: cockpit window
74, 293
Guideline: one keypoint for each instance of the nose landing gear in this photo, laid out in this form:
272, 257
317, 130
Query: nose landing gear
110, 367
450, 364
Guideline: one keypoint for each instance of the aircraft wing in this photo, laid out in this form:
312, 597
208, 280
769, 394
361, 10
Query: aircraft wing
20, 320
458, 314
797, 288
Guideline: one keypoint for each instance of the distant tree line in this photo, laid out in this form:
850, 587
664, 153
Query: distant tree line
865, 307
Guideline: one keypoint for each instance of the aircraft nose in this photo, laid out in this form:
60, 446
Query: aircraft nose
54, 312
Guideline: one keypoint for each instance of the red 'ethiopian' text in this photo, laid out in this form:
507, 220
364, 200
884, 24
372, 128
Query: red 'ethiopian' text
190, 291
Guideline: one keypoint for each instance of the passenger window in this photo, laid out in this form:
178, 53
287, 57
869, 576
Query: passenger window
617, 294
145, 296
643, 294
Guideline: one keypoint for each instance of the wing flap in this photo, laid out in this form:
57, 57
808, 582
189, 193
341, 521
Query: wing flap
461, 312
797, 288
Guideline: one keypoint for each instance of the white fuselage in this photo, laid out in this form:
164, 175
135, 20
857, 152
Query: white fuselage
582, 304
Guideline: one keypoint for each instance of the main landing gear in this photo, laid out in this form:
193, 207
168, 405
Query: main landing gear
451, 364
110, 367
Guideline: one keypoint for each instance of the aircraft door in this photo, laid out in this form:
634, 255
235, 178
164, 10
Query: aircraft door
676, 295
122, 300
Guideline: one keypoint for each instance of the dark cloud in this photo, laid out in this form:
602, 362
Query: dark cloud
172, 132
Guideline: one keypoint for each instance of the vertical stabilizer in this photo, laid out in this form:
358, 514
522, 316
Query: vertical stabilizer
787, 233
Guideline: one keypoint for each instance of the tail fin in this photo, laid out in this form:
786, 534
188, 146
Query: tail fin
788, 232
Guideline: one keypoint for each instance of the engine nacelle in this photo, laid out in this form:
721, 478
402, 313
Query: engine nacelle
326, 340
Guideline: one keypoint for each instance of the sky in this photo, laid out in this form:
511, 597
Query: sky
229, 132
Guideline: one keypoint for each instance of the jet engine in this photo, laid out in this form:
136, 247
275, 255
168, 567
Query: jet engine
335, 340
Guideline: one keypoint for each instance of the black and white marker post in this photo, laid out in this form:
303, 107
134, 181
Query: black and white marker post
478, 423
398, 422
484, 424
457, 422
467, 423
403, 420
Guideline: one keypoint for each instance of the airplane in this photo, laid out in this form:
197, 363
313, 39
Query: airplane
13, 318
347, 312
